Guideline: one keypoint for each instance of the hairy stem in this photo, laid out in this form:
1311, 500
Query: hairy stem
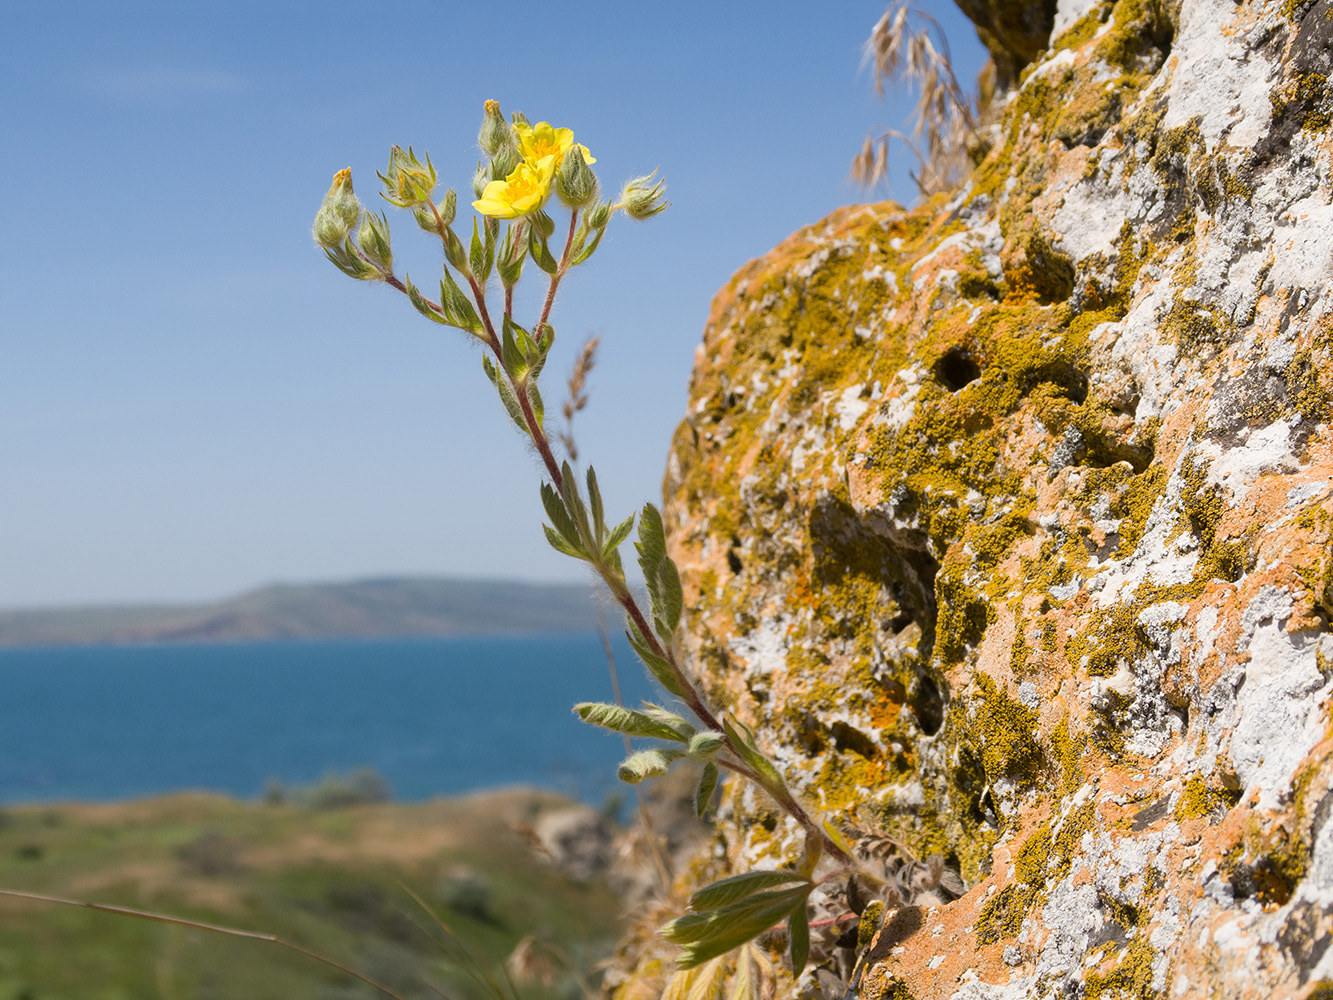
559, 271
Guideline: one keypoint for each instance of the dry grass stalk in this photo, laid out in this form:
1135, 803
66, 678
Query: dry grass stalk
578, 397
908, 45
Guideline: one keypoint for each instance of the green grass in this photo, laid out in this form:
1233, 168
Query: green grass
332, 882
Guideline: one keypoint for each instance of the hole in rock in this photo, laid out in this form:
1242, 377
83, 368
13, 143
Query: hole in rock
956, 369
733, 560
927, 704
846, 737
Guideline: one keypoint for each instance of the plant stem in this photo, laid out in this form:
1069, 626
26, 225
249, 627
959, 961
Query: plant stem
559, 271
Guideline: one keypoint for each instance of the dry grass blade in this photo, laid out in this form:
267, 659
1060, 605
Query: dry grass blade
164, 918
463, 956
908, 45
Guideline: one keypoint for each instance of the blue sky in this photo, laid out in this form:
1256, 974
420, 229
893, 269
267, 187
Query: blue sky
193, 401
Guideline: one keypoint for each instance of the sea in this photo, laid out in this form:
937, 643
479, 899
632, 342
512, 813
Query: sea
430, 716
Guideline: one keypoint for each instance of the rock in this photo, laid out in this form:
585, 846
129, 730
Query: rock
579, 841
1006, 521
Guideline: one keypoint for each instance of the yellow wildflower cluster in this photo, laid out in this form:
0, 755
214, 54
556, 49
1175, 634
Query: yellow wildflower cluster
528, 185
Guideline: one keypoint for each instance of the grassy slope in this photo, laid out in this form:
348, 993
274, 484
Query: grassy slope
407, 606
330, 881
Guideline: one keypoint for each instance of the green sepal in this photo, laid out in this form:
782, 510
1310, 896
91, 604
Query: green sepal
543, 223
658, 667
535, 400
349, 262
707, 785
626, 720
646, 764
512, 252
738, 887
798, 932
744, 745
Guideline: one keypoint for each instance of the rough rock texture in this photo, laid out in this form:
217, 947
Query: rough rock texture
1006, 521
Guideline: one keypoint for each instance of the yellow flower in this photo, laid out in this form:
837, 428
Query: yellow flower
540, 142
524, 190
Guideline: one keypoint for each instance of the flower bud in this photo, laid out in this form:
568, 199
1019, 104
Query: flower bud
575, 182
504, 162
599, 215
338, 213
495, 133
642, 198
480, 179
373, 238
408, 182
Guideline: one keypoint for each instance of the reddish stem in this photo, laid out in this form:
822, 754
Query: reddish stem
559, 271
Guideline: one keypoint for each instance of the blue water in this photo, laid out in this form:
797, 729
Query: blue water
432, 716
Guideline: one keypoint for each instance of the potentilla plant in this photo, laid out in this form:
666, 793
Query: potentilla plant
530, 171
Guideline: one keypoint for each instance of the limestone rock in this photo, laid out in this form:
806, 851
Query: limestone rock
1006, 520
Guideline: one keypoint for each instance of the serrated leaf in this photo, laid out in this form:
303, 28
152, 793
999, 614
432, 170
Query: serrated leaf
798, 931
707, 785
671, 720
651, 545
555, 510
595, 503
569, 492
560, 545
647, 764
738, 887
658, 667
618, 535
744, 745
705, 744
627, 721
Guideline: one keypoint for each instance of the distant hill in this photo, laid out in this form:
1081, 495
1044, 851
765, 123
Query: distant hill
412, 606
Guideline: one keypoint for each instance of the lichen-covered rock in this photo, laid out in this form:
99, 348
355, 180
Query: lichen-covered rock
1006, 521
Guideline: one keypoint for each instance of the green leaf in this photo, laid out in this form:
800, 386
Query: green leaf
671, 600
744, 745
646, 764
798, 930
535, 400
512, 252
618, 535
457, 305
541, 252
704, 745
560, 545
569, 492
588, 250
707, 785
628, 721
478, 258
652, 541
683, 730
707, 935
422, 306
555, 510
658, 667
738, 887
598, 516
506, 393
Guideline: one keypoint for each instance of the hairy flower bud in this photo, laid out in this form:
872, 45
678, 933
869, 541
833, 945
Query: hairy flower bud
373, 239
642, 198
339, 211
495, 133
575, 182
408, 181
504, 162
599, 215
